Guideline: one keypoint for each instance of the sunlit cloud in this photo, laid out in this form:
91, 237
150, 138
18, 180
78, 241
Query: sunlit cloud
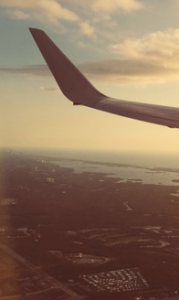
50, 10
150, 59
86, 29
153, 46
128, 71
108, 6
155, 55
35, 70
49, 89
111, 6
81, 12
17, 14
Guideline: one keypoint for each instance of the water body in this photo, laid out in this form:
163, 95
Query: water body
146, 168
166, 160
124, 174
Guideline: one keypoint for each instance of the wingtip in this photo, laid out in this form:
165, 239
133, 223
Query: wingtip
35, 30
71, 81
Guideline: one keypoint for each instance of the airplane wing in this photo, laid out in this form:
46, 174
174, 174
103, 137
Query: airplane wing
79, 90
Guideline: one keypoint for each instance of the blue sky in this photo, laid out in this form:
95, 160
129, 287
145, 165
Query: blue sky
129, 49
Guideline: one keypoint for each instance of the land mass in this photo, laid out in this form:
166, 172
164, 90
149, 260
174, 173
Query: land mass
84, 236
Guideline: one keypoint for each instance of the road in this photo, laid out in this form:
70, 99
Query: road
52, 281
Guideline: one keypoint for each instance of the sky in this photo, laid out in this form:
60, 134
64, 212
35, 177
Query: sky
128, 49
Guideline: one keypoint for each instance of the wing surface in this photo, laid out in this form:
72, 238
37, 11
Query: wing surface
79, 90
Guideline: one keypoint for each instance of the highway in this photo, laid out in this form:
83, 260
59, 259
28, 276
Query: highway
52, 281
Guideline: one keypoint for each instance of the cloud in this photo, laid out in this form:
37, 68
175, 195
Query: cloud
60, 13
48, 10
17, 14
86, 29
35, 70
117, 71
109, 6
153, 58
49, 89
127, 71
150, 59
156, 55
19, 3
153, 46
81, 45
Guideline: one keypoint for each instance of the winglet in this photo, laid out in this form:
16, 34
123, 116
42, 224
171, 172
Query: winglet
71, 81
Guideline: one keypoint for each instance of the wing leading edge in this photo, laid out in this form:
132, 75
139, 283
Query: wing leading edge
79, 90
